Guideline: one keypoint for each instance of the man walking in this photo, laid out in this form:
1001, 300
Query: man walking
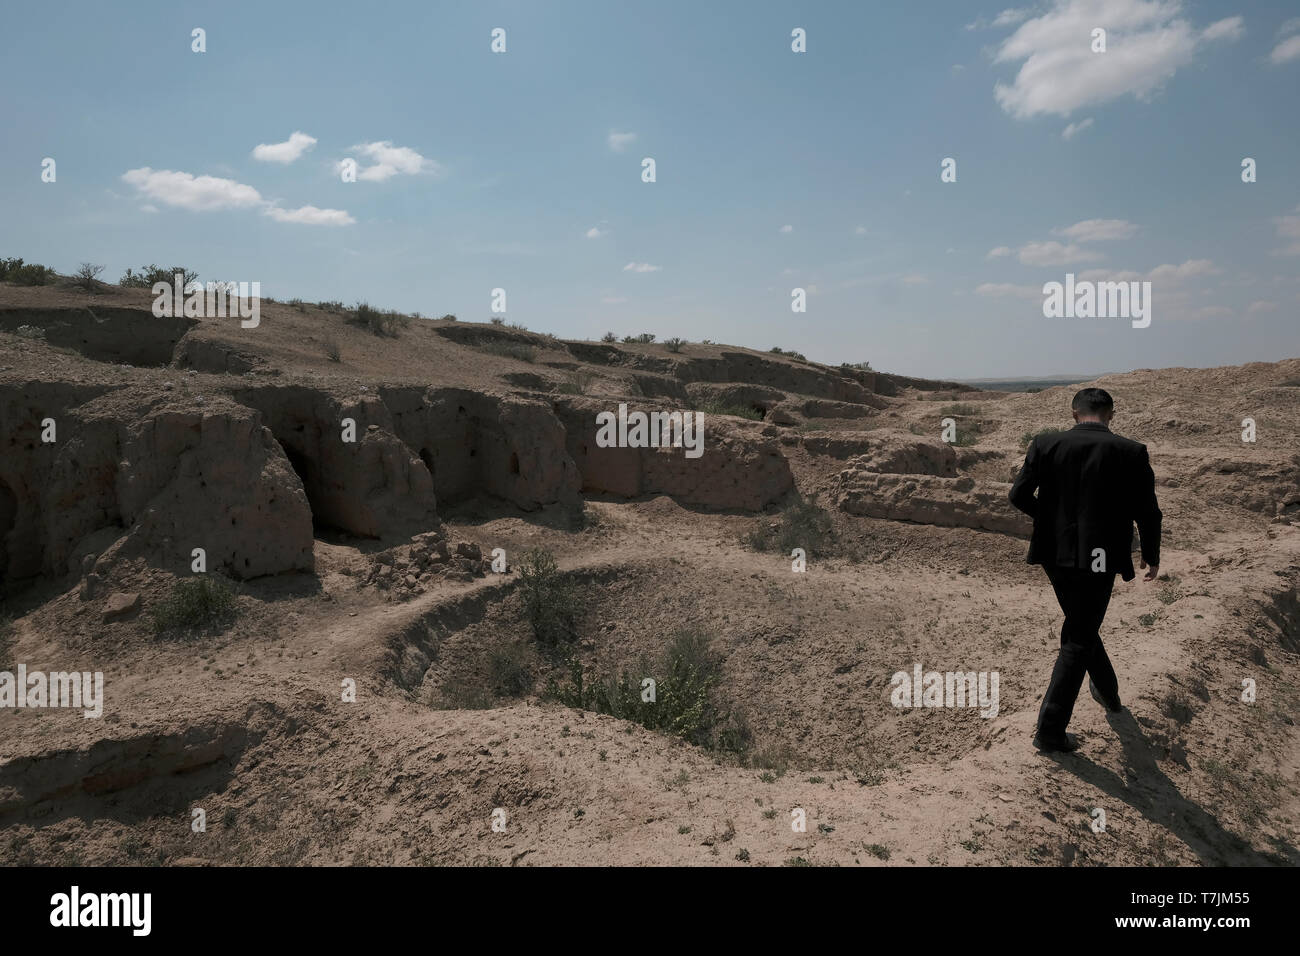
1092, 485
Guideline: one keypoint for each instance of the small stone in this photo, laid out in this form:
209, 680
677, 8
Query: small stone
120, 605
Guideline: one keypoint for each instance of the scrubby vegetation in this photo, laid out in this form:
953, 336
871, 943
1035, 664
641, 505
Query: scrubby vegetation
550, 599
193, 603
725, 408
87, 276
383, 324
609, 338
803, 524
674, 344
686, 702
148, 275
331, 348
511, 350
645, 338
20, 273
580, 380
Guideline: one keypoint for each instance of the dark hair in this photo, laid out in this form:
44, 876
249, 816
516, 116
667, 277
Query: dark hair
1092, 401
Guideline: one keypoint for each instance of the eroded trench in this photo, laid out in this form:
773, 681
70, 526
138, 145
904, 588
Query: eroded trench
796, 684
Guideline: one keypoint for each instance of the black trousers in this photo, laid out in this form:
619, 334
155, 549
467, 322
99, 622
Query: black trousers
1083, 596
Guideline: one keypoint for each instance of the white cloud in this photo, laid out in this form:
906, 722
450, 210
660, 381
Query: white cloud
915, 279
641, 267
620, 141
595, 232
1147, 43
148, 207
389, 161
787, 228
1098, 230
1054, 254
955, 69
1257, 307
860, 231
197, 193
1074, 129
1286, 51
311, 216
999, 252
1007, 290
1226, 29
1190, 269
1168, 274
286, 152
1288, 227
1009, 17
210, 193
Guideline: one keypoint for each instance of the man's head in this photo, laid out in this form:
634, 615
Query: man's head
1093, 405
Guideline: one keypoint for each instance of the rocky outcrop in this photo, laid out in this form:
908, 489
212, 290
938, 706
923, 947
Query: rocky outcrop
928, 499
739, 467
887, 451
122, 479
470, 442
372, 487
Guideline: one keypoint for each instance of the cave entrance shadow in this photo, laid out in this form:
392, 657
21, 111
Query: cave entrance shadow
1156, 798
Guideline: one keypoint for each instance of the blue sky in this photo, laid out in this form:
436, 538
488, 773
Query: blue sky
483, 170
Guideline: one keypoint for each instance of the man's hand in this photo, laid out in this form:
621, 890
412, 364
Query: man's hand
1151, 571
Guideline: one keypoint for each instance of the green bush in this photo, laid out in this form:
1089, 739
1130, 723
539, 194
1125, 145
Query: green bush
645, 338
194, 602
383, 324
674, 344
804, 524
550, 599
15, 271
723, 408
609, 338
148, 275
687, 703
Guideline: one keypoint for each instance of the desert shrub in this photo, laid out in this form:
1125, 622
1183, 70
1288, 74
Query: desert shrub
20, 273
448, 318
331, 348
87, 276
776, 349
511, 350
687, 701
497, 320
961, 408
376, 322
332, 305
803, 524
674, 344
645, 338
1027, 438
580, 380
194, 602
859, 366
609, 338
148, 275
298, 304
712, 407
550, 599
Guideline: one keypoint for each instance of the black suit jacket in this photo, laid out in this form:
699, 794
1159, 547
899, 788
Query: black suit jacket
1092, 485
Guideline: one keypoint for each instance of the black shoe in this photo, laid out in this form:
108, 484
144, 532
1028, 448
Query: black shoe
1064, 743
1113, 705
